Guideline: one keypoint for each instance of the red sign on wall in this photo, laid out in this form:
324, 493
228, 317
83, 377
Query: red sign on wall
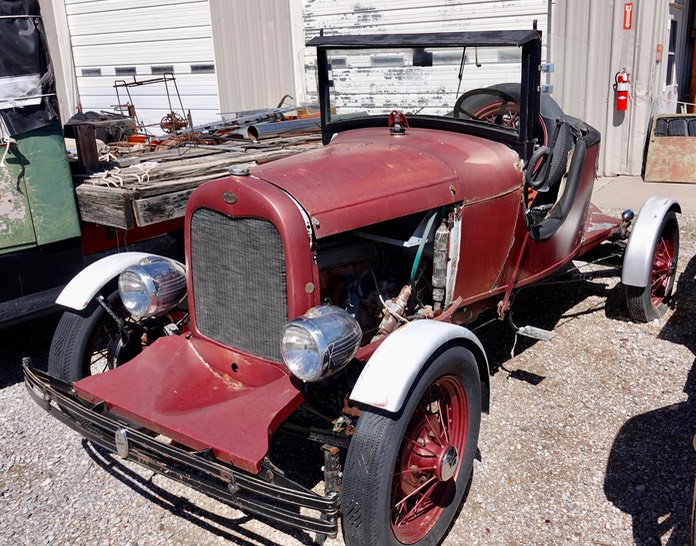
628, 16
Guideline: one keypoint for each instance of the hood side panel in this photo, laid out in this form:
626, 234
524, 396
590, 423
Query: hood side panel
368, 175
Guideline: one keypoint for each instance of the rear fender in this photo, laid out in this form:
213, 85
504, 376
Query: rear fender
86, 284
396, 364
638, 257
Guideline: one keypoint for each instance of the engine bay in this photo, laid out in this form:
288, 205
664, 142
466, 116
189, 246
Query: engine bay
384, 274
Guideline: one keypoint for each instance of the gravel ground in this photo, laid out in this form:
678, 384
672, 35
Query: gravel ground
589, 441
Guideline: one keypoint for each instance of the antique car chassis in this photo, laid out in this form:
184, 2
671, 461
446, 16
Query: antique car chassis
337, 287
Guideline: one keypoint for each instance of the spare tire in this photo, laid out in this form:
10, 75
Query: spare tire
499, 103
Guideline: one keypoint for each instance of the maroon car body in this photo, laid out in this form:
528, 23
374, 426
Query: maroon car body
409, 227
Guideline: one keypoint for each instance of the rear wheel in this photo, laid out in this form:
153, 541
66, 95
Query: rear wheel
650, 302
406, 474
92, 342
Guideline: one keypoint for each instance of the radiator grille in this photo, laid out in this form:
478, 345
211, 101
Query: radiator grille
239, 285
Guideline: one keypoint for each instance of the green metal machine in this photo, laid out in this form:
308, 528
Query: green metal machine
40, 248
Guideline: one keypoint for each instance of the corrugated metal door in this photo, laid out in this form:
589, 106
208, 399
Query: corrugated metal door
122, 39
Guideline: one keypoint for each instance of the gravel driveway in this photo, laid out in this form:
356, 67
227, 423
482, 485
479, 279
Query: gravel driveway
589, 441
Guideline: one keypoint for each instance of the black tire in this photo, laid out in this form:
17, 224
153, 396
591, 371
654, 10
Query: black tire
85, 343
499, 103
650, 302
661, 127
678, 127
373, 488
692, 127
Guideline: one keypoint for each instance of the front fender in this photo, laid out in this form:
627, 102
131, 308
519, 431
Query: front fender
84, 286
393, 368
638, 256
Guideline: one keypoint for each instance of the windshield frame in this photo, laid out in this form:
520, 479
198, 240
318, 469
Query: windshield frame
529, 41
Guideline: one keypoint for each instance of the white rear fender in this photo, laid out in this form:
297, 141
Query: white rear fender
396, 364
86, 284
638, 256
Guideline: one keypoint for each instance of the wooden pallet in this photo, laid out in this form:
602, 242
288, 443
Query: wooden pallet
155, 187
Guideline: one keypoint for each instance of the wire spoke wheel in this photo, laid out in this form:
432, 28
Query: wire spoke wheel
92, 342
503, 113
650, 302
428, 460
406, 473
664, 267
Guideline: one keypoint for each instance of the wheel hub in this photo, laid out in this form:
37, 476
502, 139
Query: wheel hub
447, 465
429, 462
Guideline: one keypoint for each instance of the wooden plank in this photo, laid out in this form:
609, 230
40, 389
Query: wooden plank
129, 197
163, 207
105, 206
85, 140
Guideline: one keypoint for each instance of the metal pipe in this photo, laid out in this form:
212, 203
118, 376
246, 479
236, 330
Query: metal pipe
279, 128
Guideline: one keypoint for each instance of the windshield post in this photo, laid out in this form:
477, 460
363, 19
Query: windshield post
323, 90
530, 104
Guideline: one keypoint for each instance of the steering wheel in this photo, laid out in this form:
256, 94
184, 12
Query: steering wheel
490, 105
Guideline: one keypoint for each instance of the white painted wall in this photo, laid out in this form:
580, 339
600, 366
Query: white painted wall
589, 46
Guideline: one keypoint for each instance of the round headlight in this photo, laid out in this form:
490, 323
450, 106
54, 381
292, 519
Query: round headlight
152, 287
320, 343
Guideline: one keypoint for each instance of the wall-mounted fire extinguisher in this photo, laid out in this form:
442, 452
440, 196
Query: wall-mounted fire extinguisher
621, 82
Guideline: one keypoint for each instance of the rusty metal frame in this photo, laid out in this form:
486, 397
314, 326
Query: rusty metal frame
273, 496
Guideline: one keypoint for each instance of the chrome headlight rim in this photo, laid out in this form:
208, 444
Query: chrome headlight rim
335, 337
157, 285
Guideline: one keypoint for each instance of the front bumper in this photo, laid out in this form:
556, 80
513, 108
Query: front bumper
275, 498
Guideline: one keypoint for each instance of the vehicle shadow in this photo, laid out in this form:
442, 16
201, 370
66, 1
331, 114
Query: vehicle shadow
545, 307
650, 471
229, 528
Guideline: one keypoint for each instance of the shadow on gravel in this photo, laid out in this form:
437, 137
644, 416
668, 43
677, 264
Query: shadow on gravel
544, 307
651, 468
229, 529
650, 472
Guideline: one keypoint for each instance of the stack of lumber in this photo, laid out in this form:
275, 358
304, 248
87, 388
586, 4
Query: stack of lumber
151, 188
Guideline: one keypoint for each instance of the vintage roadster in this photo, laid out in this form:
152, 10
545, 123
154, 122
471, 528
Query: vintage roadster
332, 297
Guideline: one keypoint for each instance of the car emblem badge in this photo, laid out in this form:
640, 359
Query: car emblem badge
229, 197
121, 440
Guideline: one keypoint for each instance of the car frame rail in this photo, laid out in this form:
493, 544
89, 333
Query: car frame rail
274, 498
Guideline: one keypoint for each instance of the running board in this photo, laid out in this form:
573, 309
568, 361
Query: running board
535, 333
531, 331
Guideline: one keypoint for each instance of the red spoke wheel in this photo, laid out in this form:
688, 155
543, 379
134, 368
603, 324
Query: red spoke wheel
503, 113
406, 473
650, 302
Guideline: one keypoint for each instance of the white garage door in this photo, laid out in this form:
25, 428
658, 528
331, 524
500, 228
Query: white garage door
116, 40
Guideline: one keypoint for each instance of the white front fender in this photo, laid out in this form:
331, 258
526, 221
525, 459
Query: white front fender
638, 256
84, 286
388, 376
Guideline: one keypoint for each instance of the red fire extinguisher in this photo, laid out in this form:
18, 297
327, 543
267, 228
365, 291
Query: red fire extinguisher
621, 82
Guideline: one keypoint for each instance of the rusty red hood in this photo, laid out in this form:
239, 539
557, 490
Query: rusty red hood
367, 176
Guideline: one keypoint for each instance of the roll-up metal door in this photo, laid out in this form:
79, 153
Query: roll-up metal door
122, 39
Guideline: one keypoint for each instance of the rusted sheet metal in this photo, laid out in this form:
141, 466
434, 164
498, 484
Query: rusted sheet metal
37, 203
195, 401
671, 158
346, 184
